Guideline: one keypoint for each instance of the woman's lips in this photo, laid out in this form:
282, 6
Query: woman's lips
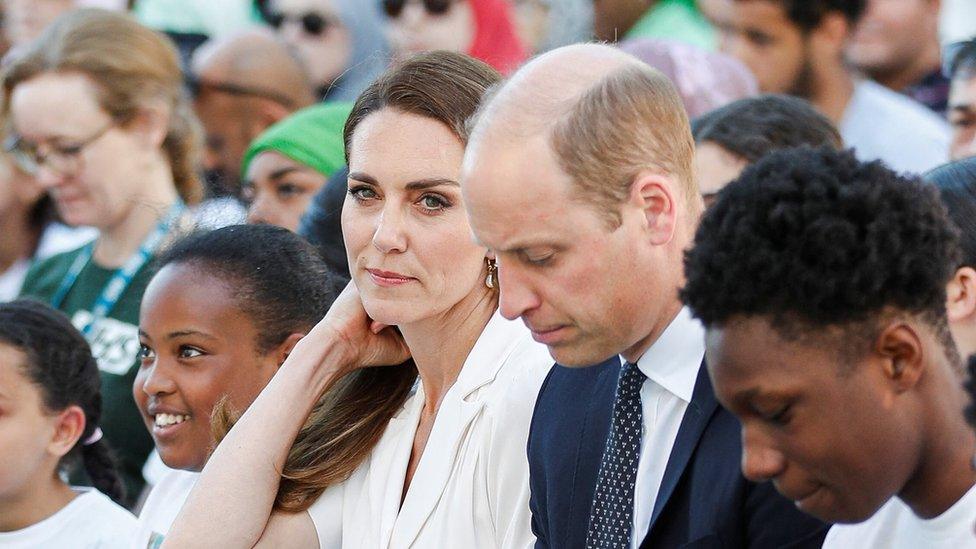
388, 279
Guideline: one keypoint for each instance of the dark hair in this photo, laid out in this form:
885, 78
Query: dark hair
807, 14
350, 418
812, 238
441, 85
753, 127
60, 364
278, 279
956, 182
971, 389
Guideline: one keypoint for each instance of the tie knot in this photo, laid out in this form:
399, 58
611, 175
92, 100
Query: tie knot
631, 379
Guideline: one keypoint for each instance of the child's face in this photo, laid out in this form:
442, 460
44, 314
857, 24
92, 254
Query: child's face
197, 346
27, 429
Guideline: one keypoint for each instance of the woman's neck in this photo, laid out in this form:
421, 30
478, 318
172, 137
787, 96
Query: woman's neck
439, 358
116, 243
35, 503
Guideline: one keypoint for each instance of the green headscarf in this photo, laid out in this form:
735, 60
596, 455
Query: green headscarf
311, 136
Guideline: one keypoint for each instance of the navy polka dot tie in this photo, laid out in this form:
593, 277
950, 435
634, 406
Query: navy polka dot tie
612, 512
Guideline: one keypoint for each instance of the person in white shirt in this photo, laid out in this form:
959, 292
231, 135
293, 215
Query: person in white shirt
428, 453
821, 281
217, 320
50, 404
798, 47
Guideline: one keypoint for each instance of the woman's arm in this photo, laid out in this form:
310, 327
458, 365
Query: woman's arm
232, 501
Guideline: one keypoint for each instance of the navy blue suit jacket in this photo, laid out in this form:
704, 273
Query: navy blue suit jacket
703, 502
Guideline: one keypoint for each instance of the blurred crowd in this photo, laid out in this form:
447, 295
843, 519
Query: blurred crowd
181, 167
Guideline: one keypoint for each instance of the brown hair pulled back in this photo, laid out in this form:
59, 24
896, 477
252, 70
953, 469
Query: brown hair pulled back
129, 64
349, 420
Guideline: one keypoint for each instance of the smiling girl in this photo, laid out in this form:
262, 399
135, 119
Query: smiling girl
217, 320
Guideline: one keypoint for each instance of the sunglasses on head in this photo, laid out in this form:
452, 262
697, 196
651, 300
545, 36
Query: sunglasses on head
312, 23
394, 8
953, 54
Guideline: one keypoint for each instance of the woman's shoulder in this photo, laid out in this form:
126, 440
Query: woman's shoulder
522, 372
99, 518
45, 275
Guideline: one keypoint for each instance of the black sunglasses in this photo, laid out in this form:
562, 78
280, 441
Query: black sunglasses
196, 86
394, 8
313, 23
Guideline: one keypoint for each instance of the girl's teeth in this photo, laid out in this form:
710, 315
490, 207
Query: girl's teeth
163, 420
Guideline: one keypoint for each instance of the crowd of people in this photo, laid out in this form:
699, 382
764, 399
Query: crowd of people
488, 273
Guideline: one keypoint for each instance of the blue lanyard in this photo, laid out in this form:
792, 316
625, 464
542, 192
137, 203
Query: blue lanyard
123, 276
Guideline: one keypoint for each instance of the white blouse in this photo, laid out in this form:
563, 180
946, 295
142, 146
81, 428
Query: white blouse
471, 486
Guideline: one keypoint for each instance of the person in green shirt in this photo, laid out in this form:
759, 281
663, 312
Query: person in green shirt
98, 116
679, 20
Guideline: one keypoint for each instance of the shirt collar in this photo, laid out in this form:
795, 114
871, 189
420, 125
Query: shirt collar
674, 359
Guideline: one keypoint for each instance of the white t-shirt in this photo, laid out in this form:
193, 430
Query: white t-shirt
884, 125
895, 526
163, 504
90, 521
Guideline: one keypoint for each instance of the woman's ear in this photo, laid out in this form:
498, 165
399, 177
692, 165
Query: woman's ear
68, 428
151, 124
961, 295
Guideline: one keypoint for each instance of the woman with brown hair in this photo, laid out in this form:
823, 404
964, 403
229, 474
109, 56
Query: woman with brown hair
95, 111
382, 460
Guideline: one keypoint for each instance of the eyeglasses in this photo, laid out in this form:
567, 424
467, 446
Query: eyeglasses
197, 86
313, 24
394, 8
63, 159
955, 53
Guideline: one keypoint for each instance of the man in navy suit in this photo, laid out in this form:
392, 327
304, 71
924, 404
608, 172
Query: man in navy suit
579, 177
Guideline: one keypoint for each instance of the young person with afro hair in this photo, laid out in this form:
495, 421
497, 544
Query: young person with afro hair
821, 282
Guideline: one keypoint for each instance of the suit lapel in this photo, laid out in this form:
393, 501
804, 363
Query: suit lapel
700, 410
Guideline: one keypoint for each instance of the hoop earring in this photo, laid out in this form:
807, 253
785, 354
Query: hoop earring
491, 281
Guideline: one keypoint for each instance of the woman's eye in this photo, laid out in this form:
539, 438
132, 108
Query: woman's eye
189, 352
287, 190
433, 202
362, 193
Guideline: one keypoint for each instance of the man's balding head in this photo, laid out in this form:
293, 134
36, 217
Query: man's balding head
578, 175
606, 115
244, 84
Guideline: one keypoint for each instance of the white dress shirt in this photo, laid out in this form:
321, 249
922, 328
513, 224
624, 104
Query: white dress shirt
471, 486
671, 366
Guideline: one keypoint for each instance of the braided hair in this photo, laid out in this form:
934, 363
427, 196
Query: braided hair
59, 362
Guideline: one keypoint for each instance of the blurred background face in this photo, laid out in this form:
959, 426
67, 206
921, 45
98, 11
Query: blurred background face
279, 189
18, 191
197, 346
962, 116
94, 165
424, 25
889, 33
791, 396
230, 123
23, 20
760, 35
716, 168
405, 228
532, 22
313, 28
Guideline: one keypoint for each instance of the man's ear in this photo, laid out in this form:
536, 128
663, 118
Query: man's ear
270, 112
903, 357
961, 295
832, 34
656, 197
68, 428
